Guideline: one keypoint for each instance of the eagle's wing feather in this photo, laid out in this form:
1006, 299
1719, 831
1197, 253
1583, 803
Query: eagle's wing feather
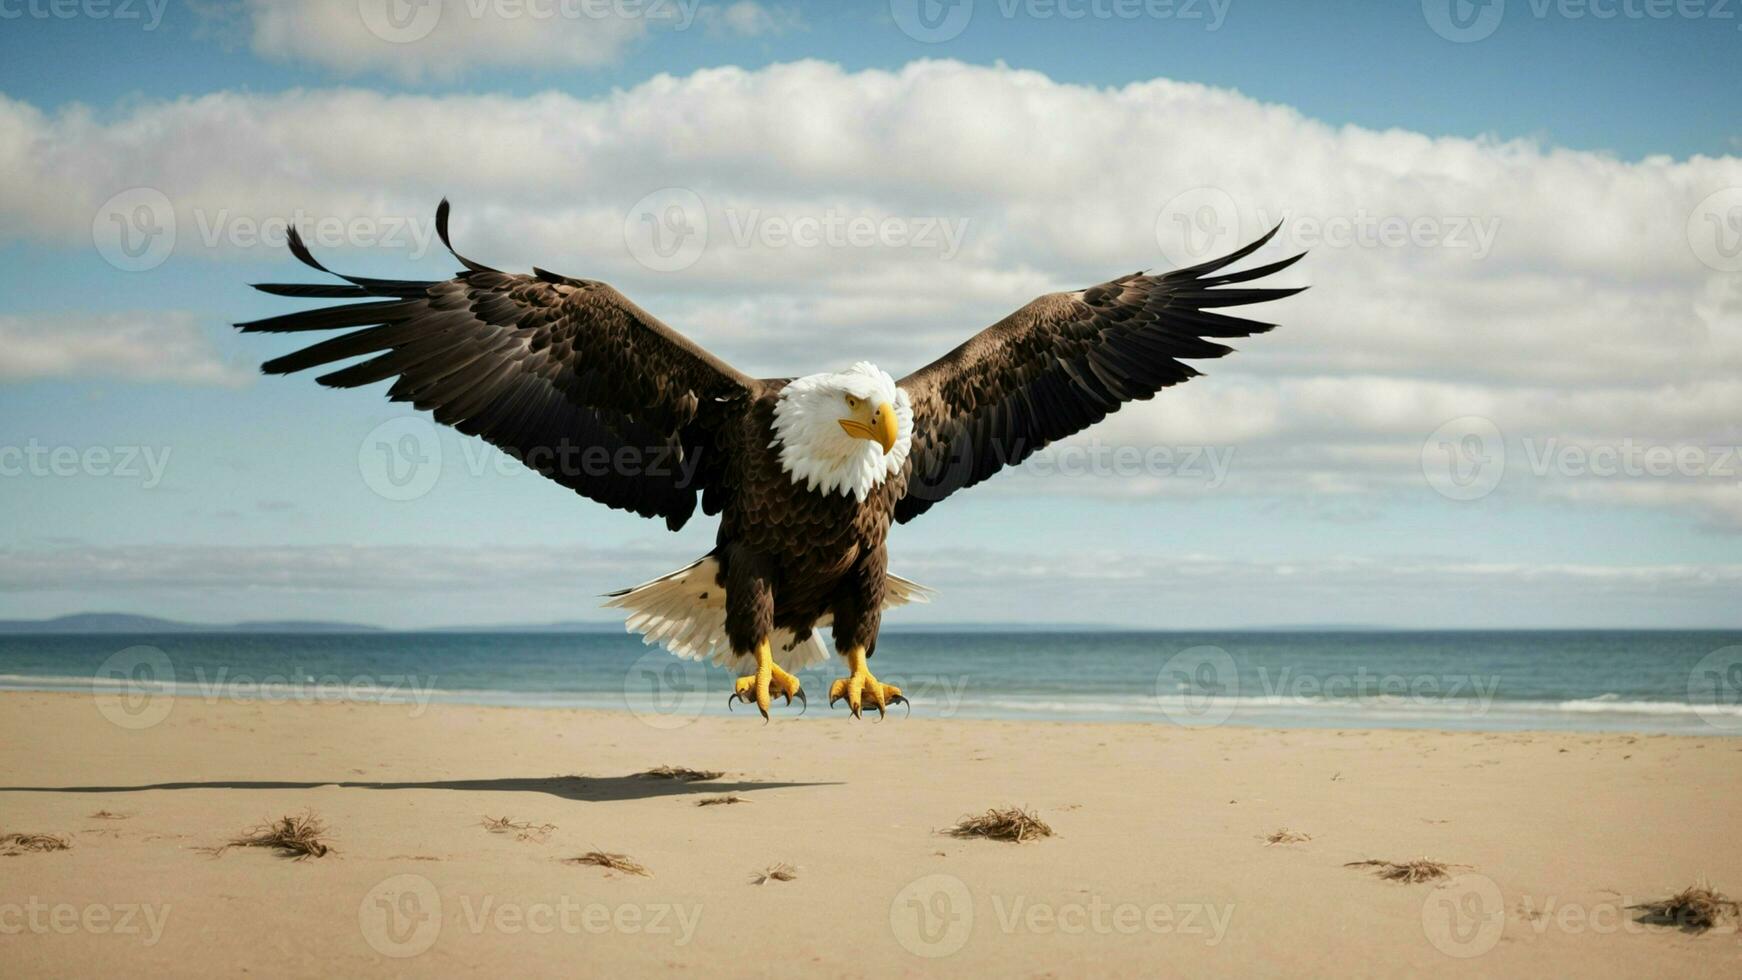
566, 374
1063, 363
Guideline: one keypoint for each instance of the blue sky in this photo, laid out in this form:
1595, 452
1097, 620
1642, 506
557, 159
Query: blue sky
1326, 515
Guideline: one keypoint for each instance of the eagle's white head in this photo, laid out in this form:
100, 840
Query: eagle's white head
845, 432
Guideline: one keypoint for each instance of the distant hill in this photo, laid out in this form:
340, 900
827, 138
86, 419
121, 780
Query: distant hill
132, 623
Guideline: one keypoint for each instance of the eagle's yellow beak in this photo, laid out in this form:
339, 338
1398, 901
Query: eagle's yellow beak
877, 425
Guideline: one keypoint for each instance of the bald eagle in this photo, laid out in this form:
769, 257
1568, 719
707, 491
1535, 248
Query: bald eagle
806, 474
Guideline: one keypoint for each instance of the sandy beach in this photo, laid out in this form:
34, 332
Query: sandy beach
1159, 864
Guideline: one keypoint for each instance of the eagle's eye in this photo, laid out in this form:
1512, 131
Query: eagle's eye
852, 402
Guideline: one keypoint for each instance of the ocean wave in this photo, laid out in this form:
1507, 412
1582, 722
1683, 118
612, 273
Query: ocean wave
1498, 713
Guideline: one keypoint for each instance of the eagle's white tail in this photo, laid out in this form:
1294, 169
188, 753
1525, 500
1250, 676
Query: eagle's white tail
685, 612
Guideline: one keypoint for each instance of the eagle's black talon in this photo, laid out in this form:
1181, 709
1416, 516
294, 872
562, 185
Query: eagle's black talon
904, 702
804, 703
730, 699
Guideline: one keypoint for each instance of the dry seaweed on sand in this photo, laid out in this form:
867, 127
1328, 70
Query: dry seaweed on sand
1285, 836
721, 800
298, 837
1009, 824
774, 872
684, 773
613, 862
12, 845
1694, 909
109, 815
1408, 872
522, 830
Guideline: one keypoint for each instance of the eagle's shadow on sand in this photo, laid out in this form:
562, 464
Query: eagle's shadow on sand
582, 789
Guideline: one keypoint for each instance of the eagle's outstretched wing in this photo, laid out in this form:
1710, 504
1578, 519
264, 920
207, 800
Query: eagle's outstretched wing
565, 374
1063, 363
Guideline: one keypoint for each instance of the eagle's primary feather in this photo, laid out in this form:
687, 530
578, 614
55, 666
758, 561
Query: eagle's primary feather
806, 474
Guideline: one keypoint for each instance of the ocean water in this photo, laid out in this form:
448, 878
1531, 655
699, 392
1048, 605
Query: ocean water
1680, 682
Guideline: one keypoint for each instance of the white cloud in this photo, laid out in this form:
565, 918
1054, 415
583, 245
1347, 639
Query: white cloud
139, 346
1558, 294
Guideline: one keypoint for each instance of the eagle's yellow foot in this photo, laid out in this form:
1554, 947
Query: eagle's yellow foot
769, 680
859, 688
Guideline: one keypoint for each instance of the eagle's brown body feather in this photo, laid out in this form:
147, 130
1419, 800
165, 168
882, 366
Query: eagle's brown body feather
790, 554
